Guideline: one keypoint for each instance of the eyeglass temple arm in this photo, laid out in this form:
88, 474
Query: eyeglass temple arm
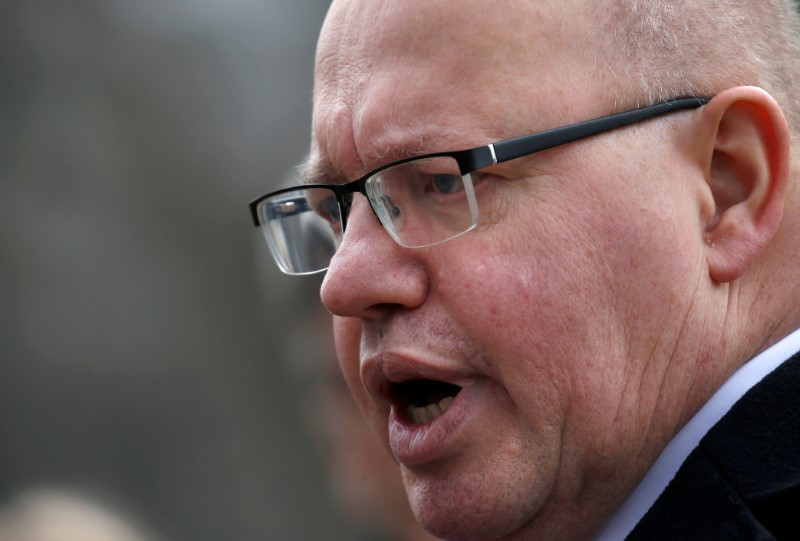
509, 149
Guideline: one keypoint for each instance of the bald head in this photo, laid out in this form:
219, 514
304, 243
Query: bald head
690, 47
670, 48
624, 54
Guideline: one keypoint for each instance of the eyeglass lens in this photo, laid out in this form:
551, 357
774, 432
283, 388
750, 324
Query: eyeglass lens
420, 203
423, 202
302, 227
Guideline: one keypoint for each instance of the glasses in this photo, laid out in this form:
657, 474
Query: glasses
420, 201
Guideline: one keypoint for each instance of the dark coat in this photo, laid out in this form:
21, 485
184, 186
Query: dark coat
742, 482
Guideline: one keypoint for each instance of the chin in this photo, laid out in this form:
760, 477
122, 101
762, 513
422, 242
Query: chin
469, 512
455, 526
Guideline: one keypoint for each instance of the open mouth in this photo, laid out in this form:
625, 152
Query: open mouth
422, 401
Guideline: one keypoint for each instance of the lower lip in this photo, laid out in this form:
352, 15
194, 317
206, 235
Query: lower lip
414, 445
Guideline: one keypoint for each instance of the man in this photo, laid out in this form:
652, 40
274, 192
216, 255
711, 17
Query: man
547, 324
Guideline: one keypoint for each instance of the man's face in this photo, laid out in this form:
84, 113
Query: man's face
544, 334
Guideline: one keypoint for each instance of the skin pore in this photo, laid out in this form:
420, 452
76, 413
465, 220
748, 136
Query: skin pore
607, 291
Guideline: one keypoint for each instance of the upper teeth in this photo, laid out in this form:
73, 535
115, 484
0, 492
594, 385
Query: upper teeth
425, 414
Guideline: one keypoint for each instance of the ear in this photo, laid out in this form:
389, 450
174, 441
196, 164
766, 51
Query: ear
747, 171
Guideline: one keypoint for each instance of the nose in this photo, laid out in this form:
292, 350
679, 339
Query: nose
370, 273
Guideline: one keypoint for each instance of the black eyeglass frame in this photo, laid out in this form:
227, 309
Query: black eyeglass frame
480, 157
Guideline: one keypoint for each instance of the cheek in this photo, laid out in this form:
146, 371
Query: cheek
531, 316
543, 284
563, 293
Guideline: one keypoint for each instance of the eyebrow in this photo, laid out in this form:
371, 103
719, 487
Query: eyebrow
319, 170
420, 143
316, 171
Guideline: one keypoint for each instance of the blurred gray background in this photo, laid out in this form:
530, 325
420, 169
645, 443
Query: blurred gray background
144, 335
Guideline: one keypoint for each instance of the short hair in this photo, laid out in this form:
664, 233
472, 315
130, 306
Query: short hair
663, 49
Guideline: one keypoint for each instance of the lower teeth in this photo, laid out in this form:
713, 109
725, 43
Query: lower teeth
425, 414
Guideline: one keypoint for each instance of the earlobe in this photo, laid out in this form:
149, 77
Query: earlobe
747, 176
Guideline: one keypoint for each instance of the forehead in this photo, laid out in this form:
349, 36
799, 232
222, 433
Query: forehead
399, 78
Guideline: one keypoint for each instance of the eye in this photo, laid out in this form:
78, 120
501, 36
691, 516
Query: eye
326, 207
444, 183
330, 210
394, 210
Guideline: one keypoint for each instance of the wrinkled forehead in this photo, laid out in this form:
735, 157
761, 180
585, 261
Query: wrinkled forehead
388, 71
359, 35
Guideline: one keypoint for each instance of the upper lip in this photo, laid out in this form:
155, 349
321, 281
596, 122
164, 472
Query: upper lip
379, 371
